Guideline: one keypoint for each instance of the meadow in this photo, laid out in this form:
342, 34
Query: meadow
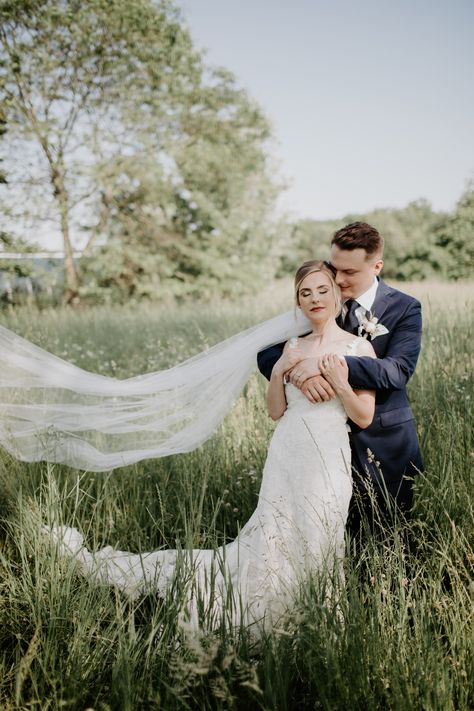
402, 636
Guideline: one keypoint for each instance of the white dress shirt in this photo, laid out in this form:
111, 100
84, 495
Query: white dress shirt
366, 300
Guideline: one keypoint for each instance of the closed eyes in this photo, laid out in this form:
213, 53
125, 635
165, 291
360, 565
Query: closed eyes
307, 292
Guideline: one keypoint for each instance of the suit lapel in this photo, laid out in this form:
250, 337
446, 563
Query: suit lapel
382, 299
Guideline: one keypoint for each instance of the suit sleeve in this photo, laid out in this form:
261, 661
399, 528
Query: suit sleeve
393, 371
267, 358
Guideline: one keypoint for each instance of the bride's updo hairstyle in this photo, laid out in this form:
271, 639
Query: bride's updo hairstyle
316, 265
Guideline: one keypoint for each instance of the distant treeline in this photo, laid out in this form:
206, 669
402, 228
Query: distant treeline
419, 243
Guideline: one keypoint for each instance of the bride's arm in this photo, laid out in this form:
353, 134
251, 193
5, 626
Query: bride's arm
358, 404
276, 399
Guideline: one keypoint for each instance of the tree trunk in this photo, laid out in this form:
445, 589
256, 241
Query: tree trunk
104, 216
71, 275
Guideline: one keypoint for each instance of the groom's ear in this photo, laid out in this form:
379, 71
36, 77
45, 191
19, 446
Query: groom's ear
378, 266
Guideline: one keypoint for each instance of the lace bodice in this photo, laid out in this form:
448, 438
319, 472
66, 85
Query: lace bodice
300, 403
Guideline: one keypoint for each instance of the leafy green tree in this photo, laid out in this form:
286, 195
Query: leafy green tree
67, 69
145, 151
308, 239
202, 225
455, 236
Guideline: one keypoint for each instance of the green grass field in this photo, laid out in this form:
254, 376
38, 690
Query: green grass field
403, 634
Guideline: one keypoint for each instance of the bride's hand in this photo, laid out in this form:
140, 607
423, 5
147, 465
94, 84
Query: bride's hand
305, 369
335, 370
288, 359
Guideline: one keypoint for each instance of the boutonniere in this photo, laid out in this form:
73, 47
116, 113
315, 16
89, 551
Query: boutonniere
369, 324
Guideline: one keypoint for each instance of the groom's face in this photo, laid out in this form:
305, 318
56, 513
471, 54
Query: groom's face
355, 270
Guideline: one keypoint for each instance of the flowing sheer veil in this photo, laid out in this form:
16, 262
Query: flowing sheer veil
52, 410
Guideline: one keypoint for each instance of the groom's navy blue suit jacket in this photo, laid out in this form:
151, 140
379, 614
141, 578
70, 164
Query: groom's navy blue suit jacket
391, 438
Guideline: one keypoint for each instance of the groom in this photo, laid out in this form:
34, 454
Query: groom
386, 455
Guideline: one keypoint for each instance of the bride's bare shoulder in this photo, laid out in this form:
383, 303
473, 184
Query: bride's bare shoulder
304, 341
361, 347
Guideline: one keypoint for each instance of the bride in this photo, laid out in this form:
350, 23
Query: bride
298, 525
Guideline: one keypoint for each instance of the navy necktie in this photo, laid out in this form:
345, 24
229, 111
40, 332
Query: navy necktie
351, 322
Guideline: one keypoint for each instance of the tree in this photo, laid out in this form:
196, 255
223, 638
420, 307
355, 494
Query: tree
455, 236
70, 67
308, 239
199, 223
145, 150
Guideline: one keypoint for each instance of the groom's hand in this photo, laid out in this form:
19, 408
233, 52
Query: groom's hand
317, 389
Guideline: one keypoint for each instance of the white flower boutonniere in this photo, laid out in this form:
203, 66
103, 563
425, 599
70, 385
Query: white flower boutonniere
369, 324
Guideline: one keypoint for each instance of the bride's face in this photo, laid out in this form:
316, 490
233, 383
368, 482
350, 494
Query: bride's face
316, 297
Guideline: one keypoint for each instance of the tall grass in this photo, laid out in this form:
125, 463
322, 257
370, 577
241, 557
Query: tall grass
399, 637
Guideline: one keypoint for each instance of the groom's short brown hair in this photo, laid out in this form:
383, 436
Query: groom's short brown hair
359, 235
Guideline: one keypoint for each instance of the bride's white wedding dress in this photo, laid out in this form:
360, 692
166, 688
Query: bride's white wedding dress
297, 527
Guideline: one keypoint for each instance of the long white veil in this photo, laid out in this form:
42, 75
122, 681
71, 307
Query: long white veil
52, 410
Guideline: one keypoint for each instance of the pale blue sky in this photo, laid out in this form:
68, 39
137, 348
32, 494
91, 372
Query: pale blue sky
372, 102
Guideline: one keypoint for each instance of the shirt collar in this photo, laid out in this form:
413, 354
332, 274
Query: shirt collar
368, 297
